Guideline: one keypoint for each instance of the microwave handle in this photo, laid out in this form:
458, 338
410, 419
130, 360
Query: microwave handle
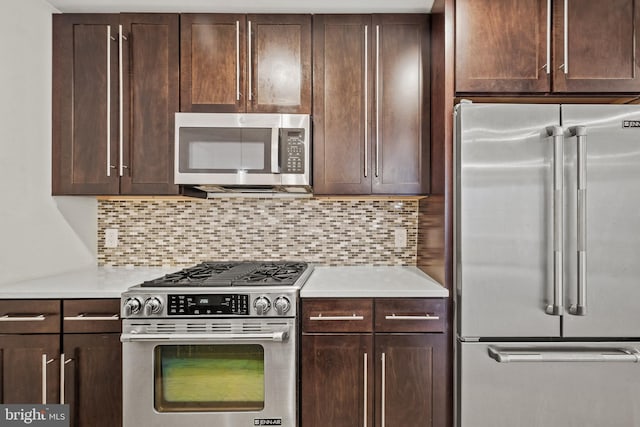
275, 150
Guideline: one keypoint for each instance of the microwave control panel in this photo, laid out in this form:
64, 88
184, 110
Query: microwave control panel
292, 151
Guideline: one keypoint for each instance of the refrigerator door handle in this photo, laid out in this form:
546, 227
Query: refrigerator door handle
580, 308
556, 132
576, 355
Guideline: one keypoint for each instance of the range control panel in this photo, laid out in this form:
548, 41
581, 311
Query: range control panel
292, 151
208, 304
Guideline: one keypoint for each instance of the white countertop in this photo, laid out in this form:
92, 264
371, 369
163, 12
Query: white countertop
93, 282
371, 282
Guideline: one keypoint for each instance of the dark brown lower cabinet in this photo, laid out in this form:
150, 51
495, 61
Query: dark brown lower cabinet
336, 380
410, 385
362, 377
93, 379
29, 368
76, 361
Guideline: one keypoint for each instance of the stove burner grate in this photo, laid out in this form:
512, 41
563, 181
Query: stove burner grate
217, 274
272, 274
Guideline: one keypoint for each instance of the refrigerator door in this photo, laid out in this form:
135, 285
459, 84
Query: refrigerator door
548, 384
603, 287
504, 227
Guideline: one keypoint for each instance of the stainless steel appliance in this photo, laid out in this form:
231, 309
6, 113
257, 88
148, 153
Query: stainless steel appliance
547, 219
213, 345
243, 152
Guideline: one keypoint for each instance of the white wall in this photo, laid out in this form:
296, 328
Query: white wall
39, 234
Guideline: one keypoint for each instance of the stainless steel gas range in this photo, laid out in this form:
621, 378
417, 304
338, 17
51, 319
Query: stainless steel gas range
213, 345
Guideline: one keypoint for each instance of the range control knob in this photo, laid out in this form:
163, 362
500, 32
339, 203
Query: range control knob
262, 305
152, 306
282, 305
132, 306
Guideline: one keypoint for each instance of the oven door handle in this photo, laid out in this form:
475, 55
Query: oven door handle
274, 336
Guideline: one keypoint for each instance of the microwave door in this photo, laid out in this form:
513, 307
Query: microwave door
228, 156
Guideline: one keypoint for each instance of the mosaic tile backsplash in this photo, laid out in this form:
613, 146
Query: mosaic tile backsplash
322, 231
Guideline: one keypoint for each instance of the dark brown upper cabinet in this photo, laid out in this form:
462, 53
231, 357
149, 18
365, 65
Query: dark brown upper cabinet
371, 104
595, 46
542, 46
501, 46
245, 63
115, 93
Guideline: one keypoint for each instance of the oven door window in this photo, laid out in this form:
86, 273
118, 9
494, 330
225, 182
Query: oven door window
225, 150
210, 378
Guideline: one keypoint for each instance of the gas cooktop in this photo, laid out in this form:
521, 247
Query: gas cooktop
221, 274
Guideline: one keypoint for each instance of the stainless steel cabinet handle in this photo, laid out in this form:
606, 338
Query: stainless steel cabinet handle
237, 60
366, 388
425, 317
275, 336
548, 64
532, 355
63, 363
320, 317
120, 102
366, 100
62, 378
556, 133
45, 362
85, 317
580, 308
565, 66
377, 101
383, 395
34, 318
249, 60
109, 38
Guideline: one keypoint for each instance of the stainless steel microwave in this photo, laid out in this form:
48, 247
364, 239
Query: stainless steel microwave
243, 150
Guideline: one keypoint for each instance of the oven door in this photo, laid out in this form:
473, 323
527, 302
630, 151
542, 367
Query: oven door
223, 373
227, 149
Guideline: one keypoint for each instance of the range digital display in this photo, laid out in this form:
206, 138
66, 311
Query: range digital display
208, 304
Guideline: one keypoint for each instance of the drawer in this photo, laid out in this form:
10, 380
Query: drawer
91, 315
411, 315
31, 316
337, 315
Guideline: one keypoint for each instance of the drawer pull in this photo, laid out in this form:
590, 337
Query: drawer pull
34, 318
425, 317
321, 317
84, 316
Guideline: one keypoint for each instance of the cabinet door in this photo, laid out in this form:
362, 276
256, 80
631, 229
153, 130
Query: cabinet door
93, 379
342, 104
502, 46
411, 380
29, 368
279, 63
401, 120
336, 380
150, 61
595, 46
212, 63
85, 115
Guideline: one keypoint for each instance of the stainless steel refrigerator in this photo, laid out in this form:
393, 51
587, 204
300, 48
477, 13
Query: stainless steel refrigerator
547, 265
